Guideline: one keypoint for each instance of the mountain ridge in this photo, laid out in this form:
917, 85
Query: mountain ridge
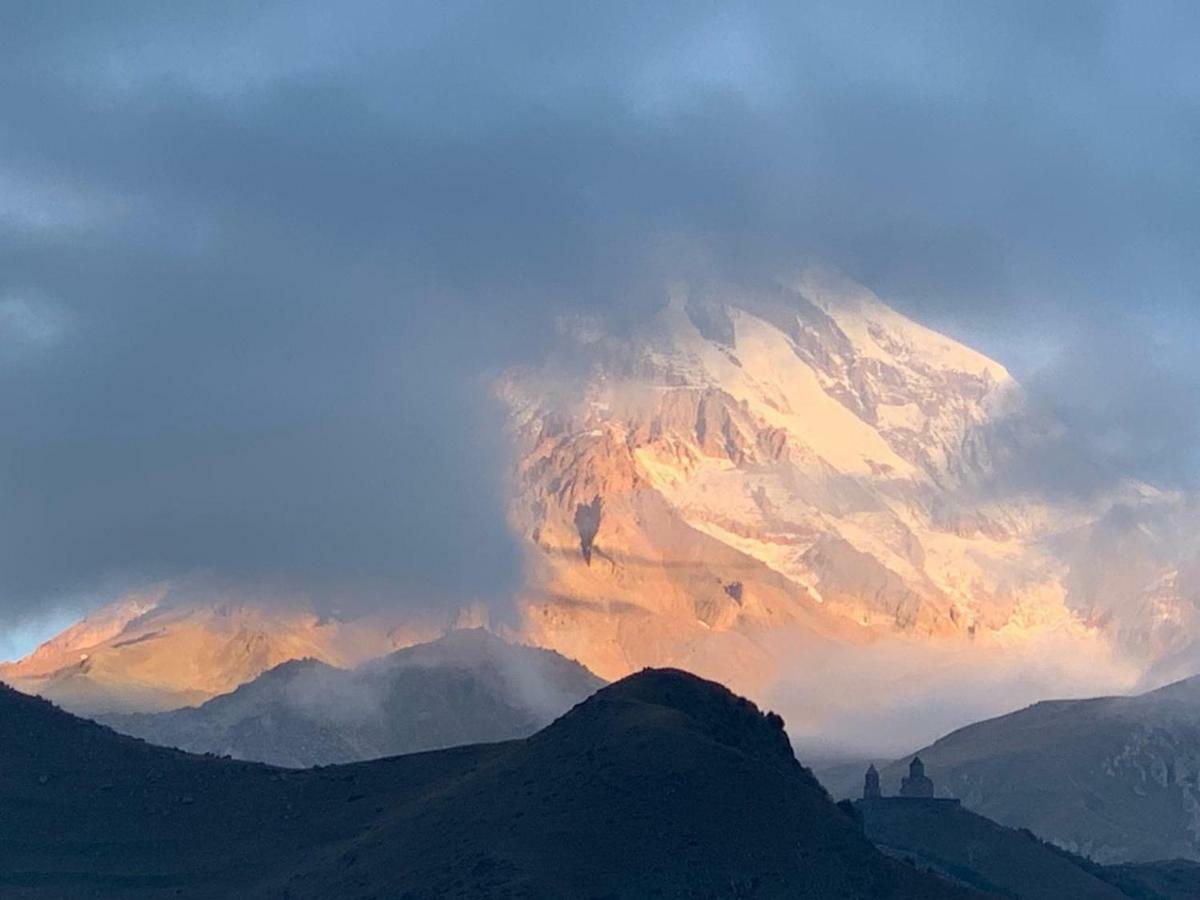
466, 687
1114, 778
153, 651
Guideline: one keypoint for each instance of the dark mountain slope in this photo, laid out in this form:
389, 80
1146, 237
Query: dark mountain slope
467, 687
952, 840
662, 784
1175, 879
1113, 778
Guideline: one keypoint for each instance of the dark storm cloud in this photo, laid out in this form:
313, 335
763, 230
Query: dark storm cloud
258, 260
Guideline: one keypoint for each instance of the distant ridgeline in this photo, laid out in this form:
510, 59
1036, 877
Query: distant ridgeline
916, 785
937, 836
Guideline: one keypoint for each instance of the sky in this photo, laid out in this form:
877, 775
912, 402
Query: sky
259, 261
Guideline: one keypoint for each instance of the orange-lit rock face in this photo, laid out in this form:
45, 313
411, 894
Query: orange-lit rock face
143, 654
757, 476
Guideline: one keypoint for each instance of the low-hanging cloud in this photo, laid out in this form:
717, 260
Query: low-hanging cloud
257, 261
895, 697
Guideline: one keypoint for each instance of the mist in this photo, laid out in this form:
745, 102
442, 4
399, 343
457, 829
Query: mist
895, 697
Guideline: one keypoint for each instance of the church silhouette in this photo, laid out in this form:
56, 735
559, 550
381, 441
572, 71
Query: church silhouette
916, 785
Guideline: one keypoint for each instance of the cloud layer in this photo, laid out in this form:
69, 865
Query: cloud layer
257, 260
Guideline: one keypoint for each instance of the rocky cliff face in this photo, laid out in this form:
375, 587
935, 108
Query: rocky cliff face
806, 461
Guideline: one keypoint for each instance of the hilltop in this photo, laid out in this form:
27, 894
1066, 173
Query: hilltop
660, 783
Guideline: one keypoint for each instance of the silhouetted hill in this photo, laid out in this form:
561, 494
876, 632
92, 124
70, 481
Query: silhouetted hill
660, 785
1113, 778
467, 687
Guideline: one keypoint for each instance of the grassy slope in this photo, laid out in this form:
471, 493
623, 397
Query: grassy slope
981, 852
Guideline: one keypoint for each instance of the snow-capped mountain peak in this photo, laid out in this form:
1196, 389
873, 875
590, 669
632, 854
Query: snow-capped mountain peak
798, 460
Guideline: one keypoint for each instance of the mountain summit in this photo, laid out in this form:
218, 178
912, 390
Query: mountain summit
756, 478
